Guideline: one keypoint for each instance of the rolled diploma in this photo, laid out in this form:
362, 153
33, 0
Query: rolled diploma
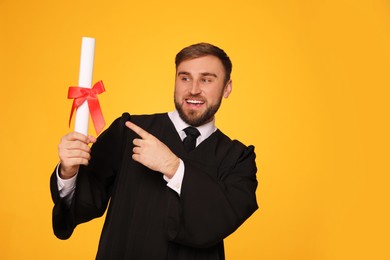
85, 81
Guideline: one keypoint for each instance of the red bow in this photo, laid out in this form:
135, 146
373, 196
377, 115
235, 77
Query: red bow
80, 94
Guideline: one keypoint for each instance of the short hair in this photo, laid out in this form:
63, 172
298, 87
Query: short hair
203, 49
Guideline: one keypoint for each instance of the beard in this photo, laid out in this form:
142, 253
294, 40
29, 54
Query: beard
193, 118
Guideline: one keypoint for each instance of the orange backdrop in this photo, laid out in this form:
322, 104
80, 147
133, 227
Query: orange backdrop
310, 91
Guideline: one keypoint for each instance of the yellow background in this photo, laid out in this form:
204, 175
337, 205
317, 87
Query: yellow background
310, 91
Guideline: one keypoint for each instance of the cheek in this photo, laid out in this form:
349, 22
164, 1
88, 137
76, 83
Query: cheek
178, 92
180, 88
213, 95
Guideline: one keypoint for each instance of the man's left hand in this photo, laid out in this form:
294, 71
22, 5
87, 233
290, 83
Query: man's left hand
151, 152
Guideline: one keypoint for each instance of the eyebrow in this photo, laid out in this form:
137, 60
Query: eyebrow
183, 73
203, 74
209, 74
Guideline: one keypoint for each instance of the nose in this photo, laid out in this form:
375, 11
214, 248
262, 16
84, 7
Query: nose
195, 88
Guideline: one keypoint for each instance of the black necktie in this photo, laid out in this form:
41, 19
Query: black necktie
190, 141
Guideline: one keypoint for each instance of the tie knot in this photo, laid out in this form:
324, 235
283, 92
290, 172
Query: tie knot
192, 131
190, 141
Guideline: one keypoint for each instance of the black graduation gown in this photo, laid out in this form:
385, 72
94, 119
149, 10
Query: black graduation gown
145, 218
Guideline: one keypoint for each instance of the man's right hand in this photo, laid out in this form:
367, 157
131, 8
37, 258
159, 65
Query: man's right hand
74, 151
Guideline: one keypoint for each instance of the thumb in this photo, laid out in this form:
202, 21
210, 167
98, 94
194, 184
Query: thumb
91, 139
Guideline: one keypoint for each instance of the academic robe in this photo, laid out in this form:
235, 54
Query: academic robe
145, 218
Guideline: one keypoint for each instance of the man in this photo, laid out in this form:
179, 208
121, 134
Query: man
167, 200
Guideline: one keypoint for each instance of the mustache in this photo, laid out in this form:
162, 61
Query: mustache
198, 96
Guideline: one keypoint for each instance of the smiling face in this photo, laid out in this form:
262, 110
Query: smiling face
199, 88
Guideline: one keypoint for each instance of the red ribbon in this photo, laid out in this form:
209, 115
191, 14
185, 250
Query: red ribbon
80, 95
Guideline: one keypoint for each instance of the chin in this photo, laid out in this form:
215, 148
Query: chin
195, 117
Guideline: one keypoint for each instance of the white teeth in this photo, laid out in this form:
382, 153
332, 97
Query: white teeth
194, 101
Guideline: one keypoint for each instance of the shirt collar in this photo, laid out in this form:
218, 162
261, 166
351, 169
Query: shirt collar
205, 130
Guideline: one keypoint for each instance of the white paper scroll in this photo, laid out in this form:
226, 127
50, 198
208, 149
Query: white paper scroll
85, 81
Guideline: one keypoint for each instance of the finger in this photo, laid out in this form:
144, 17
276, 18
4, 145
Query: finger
74, 145
137, 142
91, 139
75, 162
77, 154
136, 150
138, 130
136, 157
75, 136
69, 155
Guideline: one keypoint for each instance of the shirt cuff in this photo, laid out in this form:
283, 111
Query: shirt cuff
176, 181
66, 187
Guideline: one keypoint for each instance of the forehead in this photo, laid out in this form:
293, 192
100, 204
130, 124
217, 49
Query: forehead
205, 64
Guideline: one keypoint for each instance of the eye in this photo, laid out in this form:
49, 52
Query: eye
185, 78
206, 80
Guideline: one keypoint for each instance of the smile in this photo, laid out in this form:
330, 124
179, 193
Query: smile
194, 101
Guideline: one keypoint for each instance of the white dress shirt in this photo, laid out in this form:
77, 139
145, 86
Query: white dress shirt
66, 187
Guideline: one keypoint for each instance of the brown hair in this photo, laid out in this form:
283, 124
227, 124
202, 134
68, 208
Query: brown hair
204, 49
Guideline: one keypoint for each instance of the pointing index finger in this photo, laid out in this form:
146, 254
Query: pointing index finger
138, 130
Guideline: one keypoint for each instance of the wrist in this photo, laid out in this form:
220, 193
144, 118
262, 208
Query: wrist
66, 173
172, 167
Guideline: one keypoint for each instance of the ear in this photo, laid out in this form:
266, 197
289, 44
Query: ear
228, 89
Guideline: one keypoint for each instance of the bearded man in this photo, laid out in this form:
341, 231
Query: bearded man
175, 186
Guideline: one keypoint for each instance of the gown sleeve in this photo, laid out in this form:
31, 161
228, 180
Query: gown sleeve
215, 199
94, 182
